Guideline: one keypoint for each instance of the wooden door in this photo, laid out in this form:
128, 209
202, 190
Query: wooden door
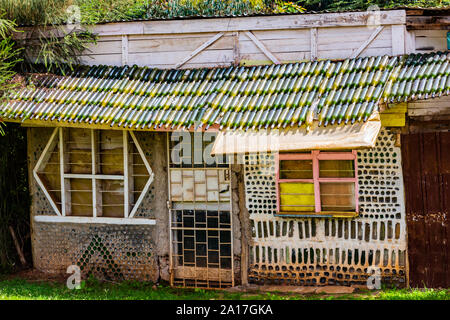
426, 170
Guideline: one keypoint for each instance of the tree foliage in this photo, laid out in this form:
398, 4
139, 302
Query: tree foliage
345, 5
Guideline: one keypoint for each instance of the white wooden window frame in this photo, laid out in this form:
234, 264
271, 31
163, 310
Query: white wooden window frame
62, 215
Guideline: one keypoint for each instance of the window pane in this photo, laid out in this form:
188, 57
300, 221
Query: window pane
336, 169
112, 198
80, 197
296, 169
337, 196
78, 151
297, 197
110, 152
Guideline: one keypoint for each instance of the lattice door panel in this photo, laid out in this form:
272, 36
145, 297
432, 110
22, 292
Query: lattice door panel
201, 248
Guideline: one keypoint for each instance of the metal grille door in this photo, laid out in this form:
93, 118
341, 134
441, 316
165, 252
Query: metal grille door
200, 221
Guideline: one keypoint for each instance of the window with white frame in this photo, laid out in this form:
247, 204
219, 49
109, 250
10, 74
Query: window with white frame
317, 183
93, 173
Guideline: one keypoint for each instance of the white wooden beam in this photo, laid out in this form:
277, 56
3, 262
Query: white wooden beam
200, 49
126, 187
94, 168
41, 162
93, 176
88, 220
262, 47
124, 50
357, 52
150, 178
61, 171
236, 48
410, 42
398, 39
313, 43
275, 22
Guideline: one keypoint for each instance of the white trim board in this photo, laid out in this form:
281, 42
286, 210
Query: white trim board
90, 220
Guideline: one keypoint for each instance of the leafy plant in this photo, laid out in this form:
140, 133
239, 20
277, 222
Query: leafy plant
288, 7
9, 57
47, 38
344, 5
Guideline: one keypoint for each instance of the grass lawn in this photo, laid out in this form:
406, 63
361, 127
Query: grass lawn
22, 289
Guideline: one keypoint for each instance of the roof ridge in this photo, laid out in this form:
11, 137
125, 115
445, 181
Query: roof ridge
253, 97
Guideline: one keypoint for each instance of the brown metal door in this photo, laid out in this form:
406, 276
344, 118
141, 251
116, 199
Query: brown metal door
426, 170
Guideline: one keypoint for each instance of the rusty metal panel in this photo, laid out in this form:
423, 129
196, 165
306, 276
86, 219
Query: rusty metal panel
426, 171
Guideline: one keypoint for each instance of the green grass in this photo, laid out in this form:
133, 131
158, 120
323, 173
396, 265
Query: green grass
20, 289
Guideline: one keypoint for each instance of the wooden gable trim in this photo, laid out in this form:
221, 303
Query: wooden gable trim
262, 47
428, 22
366, 43
346, 19
200, 49
43, 159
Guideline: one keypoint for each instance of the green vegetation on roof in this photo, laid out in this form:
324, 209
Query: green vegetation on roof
38, 12
263, 97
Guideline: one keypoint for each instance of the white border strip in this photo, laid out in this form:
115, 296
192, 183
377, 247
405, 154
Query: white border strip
88, 220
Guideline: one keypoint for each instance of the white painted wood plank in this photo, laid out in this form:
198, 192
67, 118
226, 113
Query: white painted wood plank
178, 44
354, 45
236, 48
124, 50
283, 56
108, 59
398, 39
91, 176
105, 47
164, 58
61, 171
126, 187
248, 23
314, 43
431, 43
410, 42
263, 48
88, 220
345, 53
40, 163
275, 46
278, 34
199, 49
149, 170
93, 168
366, 43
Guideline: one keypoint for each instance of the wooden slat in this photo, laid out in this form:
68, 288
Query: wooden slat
398, 39
366, 43
41, 163
248, 23
124, 50
199, 49
313, 43
126, 177
169, 59
179, 43
428, 22
263, 48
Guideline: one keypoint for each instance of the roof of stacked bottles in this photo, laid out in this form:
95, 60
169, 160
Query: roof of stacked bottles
258, 97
